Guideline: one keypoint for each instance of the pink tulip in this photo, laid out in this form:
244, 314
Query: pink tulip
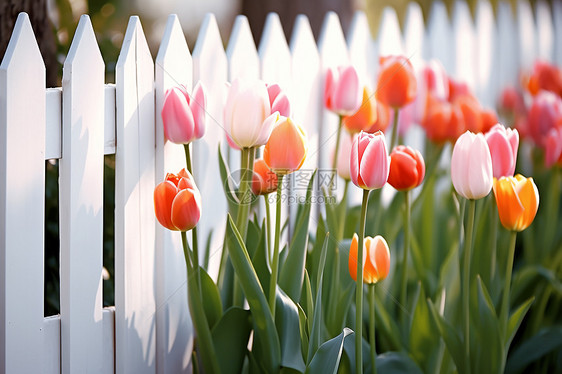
545, 112
503, 144
278, 100
247, 114
343, 93
369, 161
344, 154
553, 147
184, 115
471, 166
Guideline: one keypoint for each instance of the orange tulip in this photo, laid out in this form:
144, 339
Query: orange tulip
383, 119
396, 84
286, 148
264, 181
376, 259
177, 202
470, 108
518, 200
365, 116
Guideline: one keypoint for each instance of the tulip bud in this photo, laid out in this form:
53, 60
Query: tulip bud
177, 202
518, 201
342, 91
544, 114
278, 100
264, 181
369, 161
471, 166
396, 85
503, 144
376, 259
286, 149
183, 115
407, 168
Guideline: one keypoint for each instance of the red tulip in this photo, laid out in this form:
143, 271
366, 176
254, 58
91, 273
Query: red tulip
544, 115
442, 121
177, 202
369, 162
183, 115
407, 168
470, 108
544, 76
396, 85
264, 181
383, 119
488, 118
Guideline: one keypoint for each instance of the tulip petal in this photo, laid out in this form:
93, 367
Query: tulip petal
352, 262
380, 257
198, 103
186, 209
177, 117
374, 167
459, 163
529, 197
164, 195
480, 177
510, 208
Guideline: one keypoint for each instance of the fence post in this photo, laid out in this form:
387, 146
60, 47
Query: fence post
22, 202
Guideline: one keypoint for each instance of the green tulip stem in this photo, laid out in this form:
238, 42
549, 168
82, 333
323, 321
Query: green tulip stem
359, 289
466, 282
194, 230
372, 327
267, 227
275, 262
204, 337
404, 283
335, 160
506, 289
493, 239
395, 129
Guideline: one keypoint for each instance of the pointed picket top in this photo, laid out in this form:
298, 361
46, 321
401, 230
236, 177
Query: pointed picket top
389, 35
331, 42
439, 36
464, 45
506, 58
486, 33
274, 53
84, 47
557, 14
243, 60
22, 41
173, 60
526, 34
545, 31
414, 34
362, 52
134, 44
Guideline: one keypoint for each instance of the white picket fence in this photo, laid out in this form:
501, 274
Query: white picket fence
149, 329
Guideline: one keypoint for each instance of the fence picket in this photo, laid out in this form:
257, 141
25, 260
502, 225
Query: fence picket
389, 35
465, 53
414, 35
526, 35
22, 202
51, 344
362, 51
506, 55
134, 218
487, 72
81, 204
174, 336
439, 36
557, 15
210, 67
545, 31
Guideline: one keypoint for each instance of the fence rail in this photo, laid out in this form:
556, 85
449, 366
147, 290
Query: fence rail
149, 329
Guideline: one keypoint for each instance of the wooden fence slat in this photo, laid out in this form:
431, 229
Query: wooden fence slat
439, 36
174, 332
210, 66
389, 36
414, 35
53, 123
526, 35
81, 204
134, 209
52, 345
362, 51
545, 31
108, 333
109, 120
22, 202
506, 57
557, 15
465, 53
487, 88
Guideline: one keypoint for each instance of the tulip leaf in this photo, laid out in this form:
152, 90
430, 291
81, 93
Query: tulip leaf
307, 301
528, 276
317, 324
327, 358
259, 260
424, 342
348, 361
314, 256
211, 298
292, 273
287, 323
230, 338
397, 363
545, 341
227, 185
266, 341
303, 323
386, 324
449, 334
515, 320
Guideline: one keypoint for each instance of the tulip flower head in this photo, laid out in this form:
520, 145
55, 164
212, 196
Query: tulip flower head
177, 202
364, 117
183, 115
545, 114
553, 147
503, 144
342, 90
278, 100
407, 168
471, 166
286, 149
264, 181
369, 161
376, 259
518, 201
383, 119
544, 76
489, 118
396, 84
247, 114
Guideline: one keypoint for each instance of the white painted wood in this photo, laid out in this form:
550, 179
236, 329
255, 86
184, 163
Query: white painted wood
242, 55
487, 87
109, 120
22, 201
389, 35
274, 54
210, 67
507, 57
174, 331
135, 306
464, 46
526, 34
108, 316
362, 51
53, 123
81, 204
545, 31
51, 345
414, 35
557, 15
439, 36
